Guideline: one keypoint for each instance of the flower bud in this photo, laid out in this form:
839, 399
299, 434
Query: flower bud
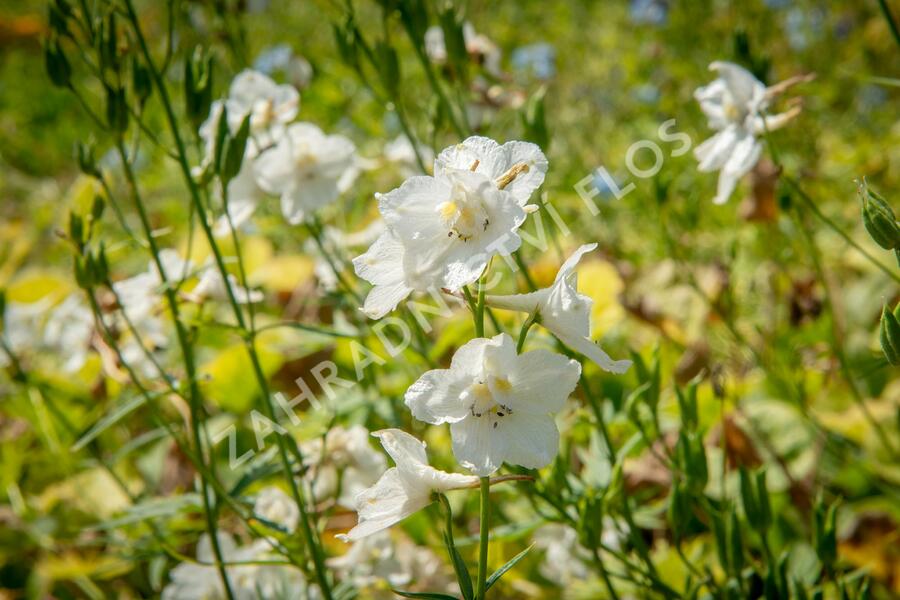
116, 109
58, 13
233, 153
825, 533
97, 208
346, 42
108, 44
57, 64
198, 79
76, 229
679, 510
889, 335
735, 544
878, 218
140, 81
84, 155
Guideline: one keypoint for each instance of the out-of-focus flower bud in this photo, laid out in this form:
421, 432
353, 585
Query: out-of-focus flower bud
534, 121
116, 109
879, 219
825, 533
58, 13
58, 67
679, 510
233, 153
84, 155
345, 39
198, 86
140, 80
889, 334
109, 44
97, 207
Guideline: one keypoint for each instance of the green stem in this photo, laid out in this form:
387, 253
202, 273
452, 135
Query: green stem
892, 24
822, 217
523, 333
479, 309
484, 525
314, 548
195, 399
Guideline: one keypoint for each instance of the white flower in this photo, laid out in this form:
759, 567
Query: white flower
479, 46
275, 506
68, 332
498, 403
211, 284
269, 104
371, 560
401, 490
21, 326
734, 104
401, 150
345, 461
565, 312
201, 580
271, 107
443, 230
307, 168
564, 558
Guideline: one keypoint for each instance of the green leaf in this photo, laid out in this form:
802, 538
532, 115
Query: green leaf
462, 573
106, 422
495, 577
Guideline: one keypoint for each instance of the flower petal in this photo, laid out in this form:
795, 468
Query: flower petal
435, 397
528, 440
475, 446
542, 381
384, 504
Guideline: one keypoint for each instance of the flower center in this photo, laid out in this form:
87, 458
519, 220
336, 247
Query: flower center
733, 112
484, 404
463, 215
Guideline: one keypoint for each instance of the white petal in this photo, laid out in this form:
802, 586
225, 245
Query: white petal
384, 298
528, 440
743, 86
541, 382
411, 210
475, 446
585, 346
744, 156
406, 450
386, 503
568, 267
490, 158
714, 152
382, 263
524, 185
309, 196
436, 397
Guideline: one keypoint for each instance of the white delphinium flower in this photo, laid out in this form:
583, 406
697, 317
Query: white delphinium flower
271, 106
21, 327
211, 284
201, 580
370, 560
68, 332
565, 312
276, 507
498, 403
404, 489
565, 560
735, 104
345, 461
307, 169
443, 229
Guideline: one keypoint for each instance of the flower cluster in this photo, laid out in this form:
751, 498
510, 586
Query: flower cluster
441, 232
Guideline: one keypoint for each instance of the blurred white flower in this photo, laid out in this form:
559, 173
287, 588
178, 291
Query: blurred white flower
480, 48
443, 230
271, 106
68, 332
21, 327
307, 168
201, 580
498, 403
564, 558
735, 104
401, 490
565, 312
400, 150
370, 560
211, 284
275, 506
345, 461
